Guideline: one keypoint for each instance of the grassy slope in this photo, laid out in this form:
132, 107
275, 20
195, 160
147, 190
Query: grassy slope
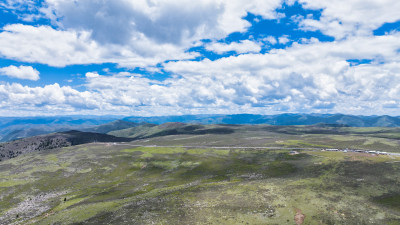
120, 185
384, 139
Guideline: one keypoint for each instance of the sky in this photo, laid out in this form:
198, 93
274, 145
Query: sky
174, 57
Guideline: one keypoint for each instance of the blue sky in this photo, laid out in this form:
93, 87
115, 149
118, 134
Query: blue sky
153, 57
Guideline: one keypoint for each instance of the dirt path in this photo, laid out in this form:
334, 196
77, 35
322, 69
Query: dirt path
299, 217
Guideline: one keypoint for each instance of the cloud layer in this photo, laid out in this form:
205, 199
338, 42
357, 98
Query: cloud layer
129, 33
358, 72
341, 18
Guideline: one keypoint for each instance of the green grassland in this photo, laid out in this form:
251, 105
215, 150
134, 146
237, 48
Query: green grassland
370, 138
167, 182
112, 184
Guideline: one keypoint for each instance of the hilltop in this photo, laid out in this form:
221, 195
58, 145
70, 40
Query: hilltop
12, 128
171, 128
53, 141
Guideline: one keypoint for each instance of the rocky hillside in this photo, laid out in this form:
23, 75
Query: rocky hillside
51, 141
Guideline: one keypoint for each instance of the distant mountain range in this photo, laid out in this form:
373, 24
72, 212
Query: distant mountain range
12, 128
112, 126
280, 119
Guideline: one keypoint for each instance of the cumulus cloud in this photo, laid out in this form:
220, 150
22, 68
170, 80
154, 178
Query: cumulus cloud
313, 77
307, 76
270, 40
21, 72
283, 39
341, 18
17, 98
46, 45
173, 21
121, 21
129, 33
245, 46
145, 33
91, 75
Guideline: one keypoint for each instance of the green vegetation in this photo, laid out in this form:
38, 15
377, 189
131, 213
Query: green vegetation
11, 183
121, 184
390, 200
368, 138
110, 184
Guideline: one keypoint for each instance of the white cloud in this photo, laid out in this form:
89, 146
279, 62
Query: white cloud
91, 75
271, 40
340, 18
26, 10
309, 76
17, 4
313, 77
16, 97
46, 45
21, 72
244, 46
129, 33
122, 21
283, 39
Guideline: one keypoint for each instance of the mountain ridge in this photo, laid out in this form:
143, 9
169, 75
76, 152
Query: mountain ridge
278, 119
12, 128
52, 141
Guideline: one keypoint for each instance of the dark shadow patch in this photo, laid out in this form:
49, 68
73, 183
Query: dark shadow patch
390, 200
194, 130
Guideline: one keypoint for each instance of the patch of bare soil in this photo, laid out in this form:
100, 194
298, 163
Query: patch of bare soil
33, 206
355, 156
299, 217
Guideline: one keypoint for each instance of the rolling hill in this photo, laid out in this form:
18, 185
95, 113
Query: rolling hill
52, 141
178, 173
280, 119
12, 128
16, 128
112, 126
172, 128
320, 135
